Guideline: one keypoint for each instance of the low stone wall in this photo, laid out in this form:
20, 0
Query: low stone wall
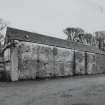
31, 60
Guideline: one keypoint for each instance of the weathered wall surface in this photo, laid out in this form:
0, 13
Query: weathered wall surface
63, 59
31, 61
79, 62
36, 60
91, 63
44, 61
7, 60
27, 56
100, 63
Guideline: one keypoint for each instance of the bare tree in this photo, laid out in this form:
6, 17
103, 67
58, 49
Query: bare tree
79, 35
3, 25
87, 38
100, 38
73, 34
93, 41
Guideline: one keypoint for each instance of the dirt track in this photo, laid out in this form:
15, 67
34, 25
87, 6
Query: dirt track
69, 91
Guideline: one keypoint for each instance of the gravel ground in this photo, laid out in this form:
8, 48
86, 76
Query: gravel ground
88, 90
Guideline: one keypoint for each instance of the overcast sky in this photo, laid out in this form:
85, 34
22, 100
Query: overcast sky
50, 17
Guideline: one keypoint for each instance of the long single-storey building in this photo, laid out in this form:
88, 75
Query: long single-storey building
30, 55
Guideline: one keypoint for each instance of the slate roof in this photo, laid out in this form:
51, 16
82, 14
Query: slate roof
21, 35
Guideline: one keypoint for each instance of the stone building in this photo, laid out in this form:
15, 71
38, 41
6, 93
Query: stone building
28, 55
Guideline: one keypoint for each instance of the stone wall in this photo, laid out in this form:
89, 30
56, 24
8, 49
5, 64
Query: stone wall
41, 61
31, 60
100, 63
7, 60
91, 63
79, 62
63, 59
27, 56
